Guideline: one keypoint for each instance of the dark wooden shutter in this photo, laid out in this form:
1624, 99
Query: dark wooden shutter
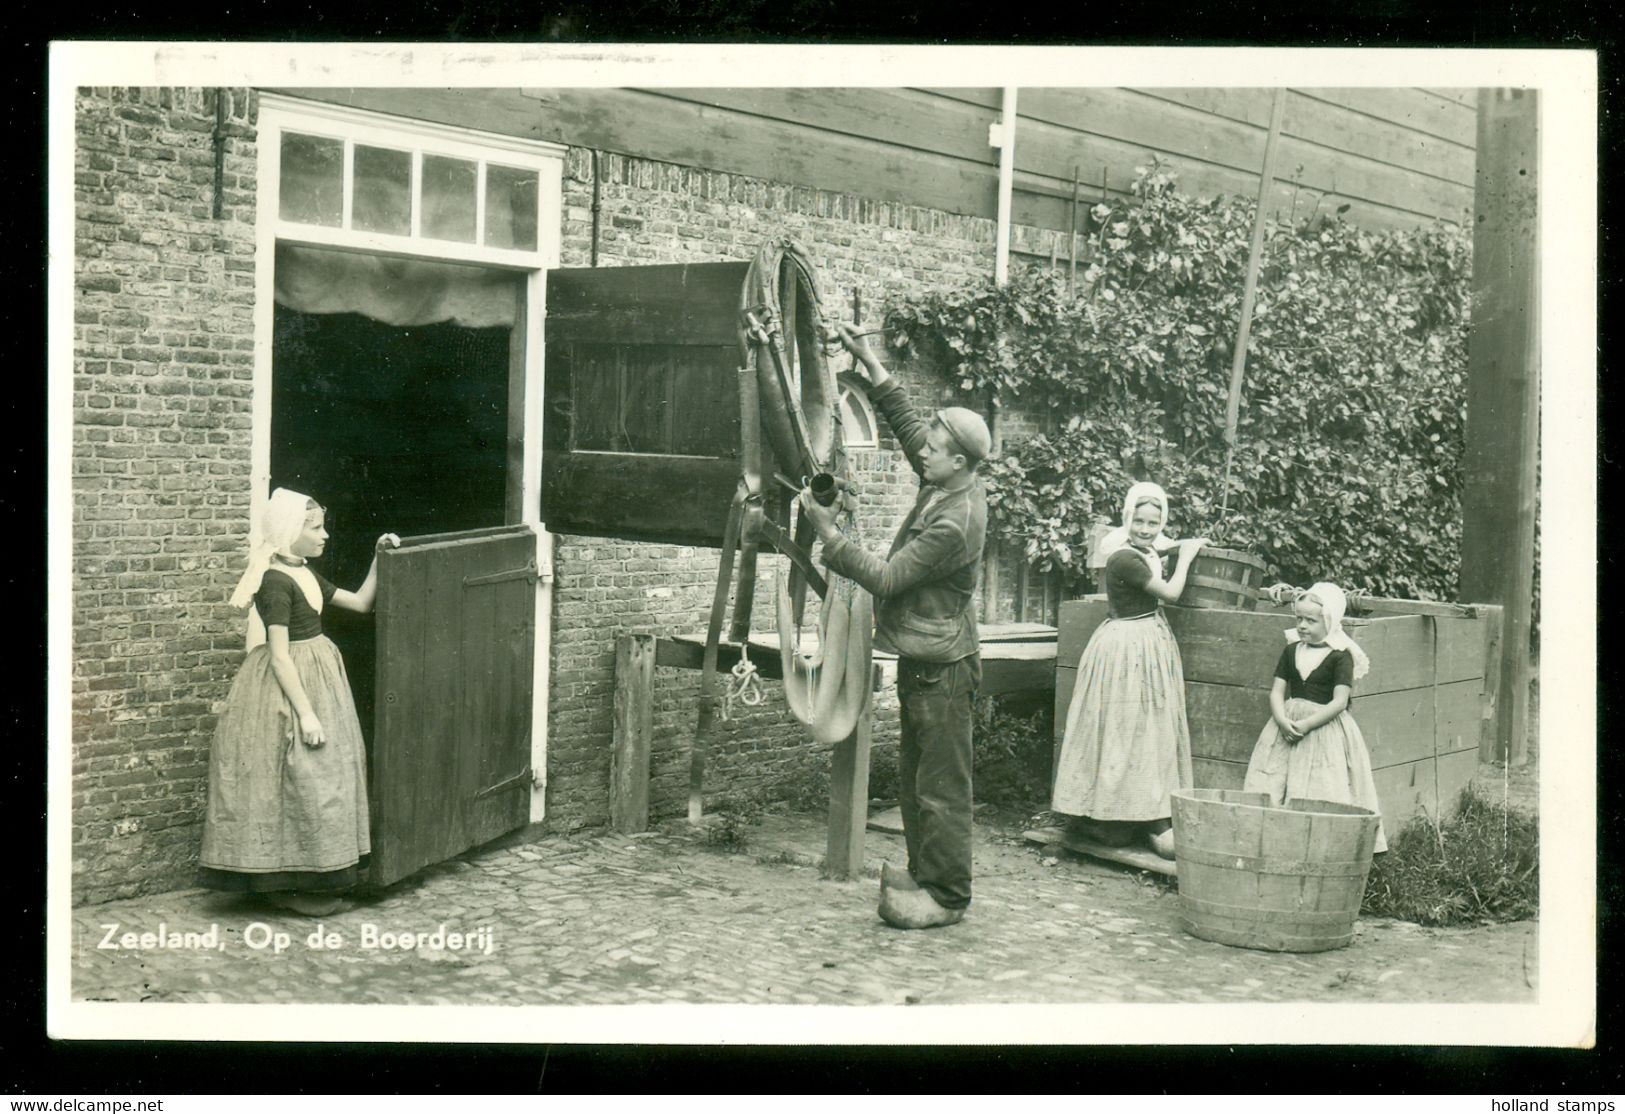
641, 435
456, 646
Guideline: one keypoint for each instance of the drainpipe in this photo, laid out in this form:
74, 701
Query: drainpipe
596, 206
1003, 136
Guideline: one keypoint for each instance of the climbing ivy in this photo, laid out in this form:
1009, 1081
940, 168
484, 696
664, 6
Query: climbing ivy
1348, 451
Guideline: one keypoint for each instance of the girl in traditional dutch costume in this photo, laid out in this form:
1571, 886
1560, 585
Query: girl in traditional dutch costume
1127, 742
1312, 748
287, 812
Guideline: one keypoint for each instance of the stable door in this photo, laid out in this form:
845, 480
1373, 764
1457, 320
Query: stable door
456, 638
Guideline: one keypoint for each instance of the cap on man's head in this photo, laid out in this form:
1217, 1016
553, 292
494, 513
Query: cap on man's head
968, 430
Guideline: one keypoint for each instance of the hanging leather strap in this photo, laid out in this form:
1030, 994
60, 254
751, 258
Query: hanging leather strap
708, 666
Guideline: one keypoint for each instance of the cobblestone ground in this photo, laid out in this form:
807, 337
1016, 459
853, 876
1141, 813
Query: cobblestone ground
608, 919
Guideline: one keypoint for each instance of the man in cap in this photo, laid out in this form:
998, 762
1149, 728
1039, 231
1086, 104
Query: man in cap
923, 590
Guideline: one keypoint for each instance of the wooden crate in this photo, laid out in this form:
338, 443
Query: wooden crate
1421, 708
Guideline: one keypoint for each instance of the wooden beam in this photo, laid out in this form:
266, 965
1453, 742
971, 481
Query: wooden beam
1503, 393
849, 801
633, 718
513, 505
651, 124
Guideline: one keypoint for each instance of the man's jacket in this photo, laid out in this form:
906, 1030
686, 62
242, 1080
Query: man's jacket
923, 588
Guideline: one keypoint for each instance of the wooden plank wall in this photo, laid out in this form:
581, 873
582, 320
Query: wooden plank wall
1396, 157
1419, 708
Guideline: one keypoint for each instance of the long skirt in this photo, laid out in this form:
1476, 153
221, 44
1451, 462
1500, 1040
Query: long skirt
1127, 744
281, 814
1331, 763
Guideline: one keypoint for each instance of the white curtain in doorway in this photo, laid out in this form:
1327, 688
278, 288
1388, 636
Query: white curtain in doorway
396, 291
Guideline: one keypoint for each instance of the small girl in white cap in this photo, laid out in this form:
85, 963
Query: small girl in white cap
1312, 748
287, 812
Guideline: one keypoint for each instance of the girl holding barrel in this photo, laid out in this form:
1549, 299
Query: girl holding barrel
1127, 742
1312, 748
287, 812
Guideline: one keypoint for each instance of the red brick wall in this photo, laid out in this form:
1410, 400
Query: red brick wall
162, 368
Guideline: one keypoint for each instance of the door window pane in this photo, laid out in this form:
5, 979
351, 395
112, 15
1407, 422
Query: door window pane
312, 185
510, 208
383, 191
448, 198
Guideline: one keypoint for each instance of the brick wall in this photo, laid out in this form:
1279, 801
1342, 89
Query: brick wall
162, 367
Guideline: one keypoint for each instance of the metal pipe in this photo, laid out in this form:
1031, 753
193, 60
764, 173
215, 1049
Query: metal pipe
219, 153
1072, 238
596, 206
1005, 130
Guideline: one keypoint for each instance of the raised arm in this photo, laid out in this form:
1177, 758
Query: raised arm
1171, 589
363, 597
888, 396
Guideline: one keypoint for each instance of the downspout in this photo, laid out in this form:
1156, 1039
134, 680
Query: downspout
1003, 136
597, 205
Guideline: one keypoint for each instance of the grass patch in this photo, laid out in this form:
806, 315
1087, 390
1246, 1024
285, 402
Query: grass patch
1482, 866
732, 819
807, 788
1014, 744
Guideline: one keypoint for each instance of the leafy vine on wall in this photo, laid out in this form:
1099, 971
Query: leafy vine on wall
1349, 448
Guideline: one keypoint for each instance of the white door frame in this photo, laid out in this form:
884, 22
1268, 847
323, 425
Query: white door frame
279, 112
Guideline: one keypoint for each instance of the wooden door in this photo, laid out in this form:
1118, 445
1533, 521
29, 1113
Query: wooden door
456, 632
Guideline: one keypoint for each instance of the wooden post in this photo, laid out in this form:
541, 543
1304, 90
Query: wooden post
992, 550
629, 760
1503, 394
706, 719
1489, 736
1249, 291
513, 499
849, 799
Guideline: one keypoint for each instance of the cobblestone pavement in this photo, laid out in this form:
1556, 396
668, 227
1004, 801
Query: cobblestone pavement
607, 919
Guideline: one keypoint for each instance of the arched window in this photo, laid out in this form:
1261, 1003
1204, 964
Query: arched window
858, 428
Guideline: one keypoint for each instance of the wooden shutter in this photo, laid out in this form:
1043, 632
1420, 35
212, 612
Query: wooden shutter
641, 435
456, 645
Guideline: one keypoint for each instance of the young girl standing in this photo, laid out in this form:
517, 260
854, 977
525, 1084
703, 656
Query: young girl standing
1312, 748
287, 813
1127, 743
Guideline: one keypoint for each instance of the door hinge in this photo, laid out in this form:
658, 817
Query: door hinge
523, 777
528, 572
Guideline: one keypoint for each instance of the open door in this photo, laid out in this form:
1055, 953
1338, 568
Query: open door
456, 639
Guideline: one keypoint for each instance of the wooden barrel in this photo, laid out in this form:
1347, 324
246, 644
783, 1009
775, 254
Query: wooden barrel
1281, 878
1226, 578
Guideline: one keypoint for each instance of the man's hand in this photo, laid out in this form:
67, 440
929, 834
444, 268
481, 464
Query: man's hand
822, 517
873, 370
